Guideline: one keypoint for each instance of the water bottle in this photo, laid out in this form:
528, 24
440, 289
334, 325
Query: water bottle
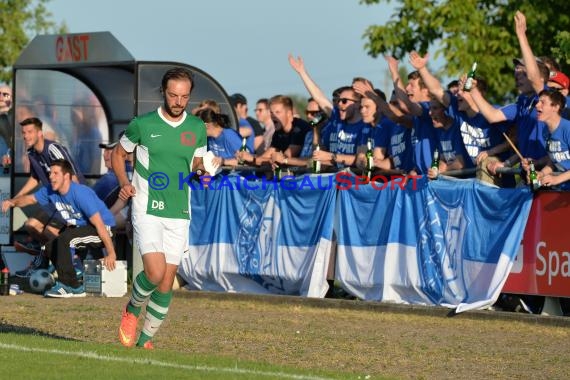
5, 282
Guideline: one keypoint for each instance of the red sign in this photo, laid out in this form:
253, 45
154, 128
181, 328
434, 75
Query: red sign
72, 48
542, 266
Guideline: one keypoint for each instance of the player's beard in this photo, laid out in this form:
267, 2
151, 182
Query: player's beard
176, 113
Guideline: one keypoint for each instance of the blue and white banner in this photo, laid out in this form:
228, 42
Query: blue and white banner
448, 242
254, 237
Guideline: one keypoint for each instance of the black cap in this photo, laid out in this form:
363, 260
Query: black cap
112, 144
237, 98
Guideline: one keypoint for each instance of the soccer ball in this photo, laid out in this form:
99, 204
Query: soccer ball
41, 280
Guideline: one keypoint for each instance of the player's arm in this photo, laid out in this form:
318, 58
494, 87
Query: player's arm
118, 158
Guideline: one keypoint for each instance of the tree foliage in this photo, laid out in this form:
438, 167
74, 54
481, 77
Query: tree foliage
464, 31
20, 21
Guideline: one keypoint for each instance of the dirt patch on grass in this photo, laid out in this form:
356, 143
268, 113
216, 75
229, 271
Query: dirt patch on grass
349, 336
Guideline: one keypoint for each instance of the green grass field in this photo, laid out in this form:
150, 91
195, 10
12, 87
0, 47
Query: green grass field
237, 336
29, 356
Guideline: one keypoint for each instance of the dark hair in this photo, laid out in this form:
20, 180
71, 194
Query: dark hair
453, 83
65, 166
544, 71
32, 120
550, 62
416, 75
177, 73
482, 85
380, 93
336, 93
263, 101
208, 115
556, 98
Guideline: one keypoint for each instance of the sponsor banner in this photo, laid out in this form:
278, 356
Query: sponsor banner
542, 265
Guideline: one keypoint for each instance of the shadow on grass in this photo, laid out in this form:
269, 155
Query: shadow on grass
8, 328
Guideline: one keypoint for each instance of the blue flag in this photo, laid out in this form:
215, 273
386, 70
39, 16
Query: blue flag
447, 242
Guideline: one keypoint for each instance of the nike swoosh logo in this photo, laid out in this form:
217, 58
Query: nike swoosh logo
153, 136
124, 339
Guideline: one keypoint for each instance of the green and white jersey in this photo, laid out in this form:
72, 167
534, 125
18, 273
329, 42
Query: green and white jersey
164, 154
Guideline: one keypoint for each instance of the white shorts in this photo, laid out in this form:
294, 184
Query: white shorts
166, 235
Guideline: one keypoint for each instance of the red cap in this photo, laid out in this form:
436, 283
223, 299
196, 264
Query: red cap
561, 79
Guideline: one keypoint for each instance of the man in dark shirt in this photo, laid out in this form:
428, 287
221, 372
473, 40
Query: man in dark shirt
288, 138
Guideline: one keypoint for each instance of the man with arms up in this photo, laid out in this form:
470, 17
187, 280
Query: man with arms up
168, 141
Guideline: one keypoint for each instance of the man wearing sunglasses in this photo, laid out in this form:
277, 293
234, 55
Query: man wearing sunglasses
343, 133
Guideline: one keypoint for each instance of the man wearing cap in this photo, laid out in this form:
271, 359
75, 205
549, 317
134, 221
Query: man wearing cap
248, 126
108, 183
107, 187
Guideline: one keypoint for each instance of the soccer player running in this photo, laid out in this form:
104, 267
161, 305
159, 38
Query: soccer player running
169, 141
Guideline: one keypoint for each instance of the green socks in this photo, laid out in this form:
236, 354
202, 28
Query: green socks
142, 289
156, 311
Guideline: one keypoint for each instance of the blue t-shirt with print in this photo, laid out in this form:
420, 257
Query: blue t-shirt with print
477, 133
558, 147
397, 141
451, 145
530, 134
226, 144
76, 206
341, 137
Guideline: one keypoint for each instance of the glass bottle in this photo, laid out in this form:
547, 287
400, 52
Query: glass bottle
469, 82
534, 182
317, 163
369, 158
242, 149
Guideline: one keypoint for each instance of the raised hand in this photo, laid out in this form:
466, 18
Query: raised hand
297, 64
520, 23
392, 63
417, 61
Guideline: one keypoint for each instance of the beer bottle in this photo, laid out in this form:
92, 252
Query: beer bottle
435, 161
534, 182
469, 82
316, 120
369, 158
243, 149
317, 163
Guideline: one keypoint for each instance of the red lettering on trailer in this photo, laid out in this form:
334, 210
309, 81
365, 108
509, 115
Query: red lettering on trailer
72, 48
